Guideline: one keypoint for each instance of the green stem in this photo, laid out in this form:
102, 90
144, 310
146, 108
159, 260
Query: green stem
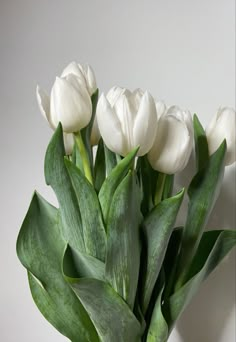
159, 188
84, 156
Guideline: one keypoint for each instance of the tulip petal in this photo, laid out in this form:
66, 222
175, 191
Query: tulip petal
223, 126
145, 124
114, 93
137, 97
126, 112
90, 78
109, 126
74, 69
70, 104
160, 108
182, 115
68, 142
44, 105
172, 145
71, 68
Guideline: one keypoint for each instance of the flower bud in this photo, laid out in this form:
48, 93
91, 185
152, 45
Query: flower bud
69, 104
126, 120
222, 126
85, 74
173, 142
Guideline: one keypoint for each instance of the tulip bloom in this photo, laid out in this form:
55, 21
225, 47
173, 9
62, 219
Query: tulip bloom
85, 75
69, 104
126, 120
222, 126
173, 142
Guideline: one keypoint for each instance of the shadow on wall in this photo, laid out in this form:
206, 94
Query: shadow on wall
207, 315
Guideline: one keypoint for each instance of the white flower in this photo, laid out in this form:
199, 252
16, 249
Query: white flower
126, 120
85, 74
68, 142
173, 142
69, 103
222, 126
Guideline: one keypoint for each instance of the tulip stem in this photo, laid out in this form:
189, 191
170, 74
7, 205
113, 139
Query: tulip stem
159, 188
84, 156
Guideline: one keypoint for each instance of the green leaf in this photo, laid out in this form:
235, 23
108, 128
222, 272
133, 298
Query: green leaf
110, 160
201, 145
113, 319
214, 246
139, 315
123, 239
91, 216
79, 265
113, 180
157, 227
76, 158
203, 192
57, 176
171, 260
99, 167
148, 181
40, 249
158, 328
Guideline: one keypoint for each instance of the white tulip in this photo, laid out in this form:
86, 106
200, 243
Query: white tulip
69, 103
85, 74
127, 120
44, 106
223, 126
173, 142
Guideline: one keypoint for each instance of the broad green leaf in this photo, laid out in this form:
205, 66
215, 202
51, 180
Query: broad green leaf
203, 192
138, 313
110, 160
76, 158
99, 167
171, 260
158, 328
40, 249
218, 241
91, 216
214, 246
113, 319
57, 176
123, 239
201, 145
79, 265
148, 181
157, 227
113, 180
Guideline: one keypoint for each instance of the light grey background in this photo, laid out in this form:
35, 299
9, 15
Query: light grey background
181, 51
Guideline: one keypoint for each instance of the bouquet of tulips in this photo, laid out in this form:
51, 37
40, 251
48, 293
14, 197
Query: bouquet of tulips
109, 264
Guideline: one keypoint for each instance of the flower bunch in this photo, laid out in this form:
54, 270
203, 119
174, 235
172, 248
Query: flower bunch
109, 263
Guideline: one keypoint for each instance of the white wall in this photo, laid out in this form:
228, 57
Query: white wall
181, 51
